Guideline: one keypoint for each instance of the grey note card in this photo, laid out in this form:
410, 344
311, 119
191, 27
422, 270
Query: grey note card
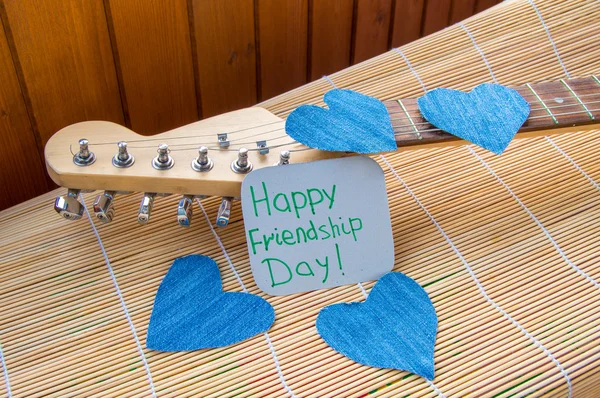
316, 225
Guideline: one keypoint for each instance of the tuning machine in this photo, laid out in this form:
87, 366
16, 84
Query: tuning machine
163, 161
68, 206
84, 157
146, 208
242, 165
103, 206
224, 212
185, 209
123, 158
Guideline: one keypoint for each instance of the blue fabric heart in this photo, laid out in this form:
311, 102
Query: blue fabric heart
394, 328
489, 116
353, 123
192, 312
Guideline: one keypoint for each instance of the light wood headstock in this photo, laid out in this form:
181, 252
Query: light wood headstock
244, 128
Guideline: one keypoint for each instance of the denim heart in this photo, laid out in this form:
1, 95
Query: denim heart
394, 328
489, 116
191, 311
353, 123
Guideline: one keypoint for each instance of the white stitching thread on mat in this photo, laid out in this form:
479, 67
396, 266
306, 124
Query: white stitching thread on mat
118, 291
550, 38
535, 341
239, 279
329, 81
590, 179
479, 50
5, 370
534, 218
529, 212
411, 68
362, 289
515, 323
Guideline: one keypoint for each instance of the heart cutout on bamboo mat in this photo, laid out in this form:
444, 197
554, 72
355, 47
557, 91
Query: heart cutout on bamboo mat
489, 116
394, 328
191, 311
353, 123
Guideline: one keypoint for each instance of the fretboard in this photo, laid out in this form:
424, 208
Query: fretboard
563, 103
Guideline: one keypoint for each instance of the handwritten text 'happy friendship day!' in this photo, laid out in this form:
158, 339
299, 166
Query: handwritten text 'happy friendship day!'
303, 205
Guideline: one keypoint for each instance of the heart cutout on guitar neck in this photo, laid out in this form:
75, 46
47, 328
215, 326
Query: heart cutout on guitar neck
353, 123
489, 116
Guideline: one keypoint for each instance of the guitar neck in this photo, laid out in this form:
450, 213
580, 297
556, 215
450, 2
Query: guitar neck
553, 105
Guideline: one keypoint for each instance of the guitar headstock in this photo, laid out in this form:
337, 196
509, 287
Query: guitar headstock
207, 158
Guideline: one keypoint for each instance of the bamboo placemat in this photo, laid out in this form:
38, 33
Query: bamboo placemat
506, 246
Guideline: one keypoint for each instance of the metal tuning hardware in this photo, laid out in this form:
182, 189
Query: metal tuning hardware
184, 210
202, 163
223, 141
163, 161
68, 206
242, 165
84, 157
146, 208
123, 158
263, 149
224, 212
284, 158
103, 206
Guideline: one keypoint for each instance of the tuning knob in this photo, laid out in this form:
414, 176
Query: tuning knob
146, 208
68, 206
224, 212
184, 210
103, 206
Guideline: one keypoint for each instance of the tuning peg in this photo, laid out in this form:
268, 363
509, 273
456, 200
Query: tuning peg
184, 210
84, 157
68, 206
123, 158
224, 212
163, 160
103, 206
284, 158
242, 165
146, 208
202, 162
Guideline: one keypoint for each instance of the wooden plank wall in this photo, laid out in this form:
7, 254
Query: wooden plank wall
156, 65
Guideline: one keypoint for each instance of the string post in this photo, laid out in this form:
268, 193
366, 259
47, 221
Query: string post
223, 141
284, 158
123, 158
202, 163
242, 165
84, 157
163, 161
263, 149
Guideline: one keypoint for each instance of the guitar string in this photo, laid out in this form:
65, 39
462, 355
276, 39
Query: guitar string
397, 132
283, 121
